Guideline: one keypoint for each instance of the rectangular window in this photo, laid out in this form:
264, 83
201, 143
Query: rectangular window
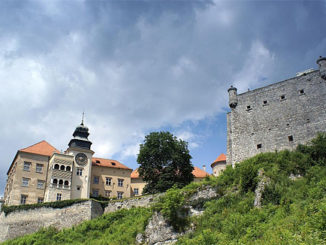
39, 168
40, 200
25, 182
59, 195
265, 102
301, 91
259, 146
120, 195
136, 191
27, 166
23, 199
40, 184
107, 193
120, 182
79, 172
95, 192
108, 181
283, 97
96, 180
290, 138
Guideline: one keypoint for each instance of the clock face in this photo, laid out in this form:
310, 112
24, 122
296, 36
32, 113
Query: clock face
81, 159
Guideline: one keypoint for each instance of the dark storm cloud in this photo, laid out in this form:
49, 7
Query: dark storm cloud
136, 66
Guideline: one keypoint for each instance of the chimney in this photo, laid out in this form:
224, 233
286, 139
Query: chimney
204, 167
322, 66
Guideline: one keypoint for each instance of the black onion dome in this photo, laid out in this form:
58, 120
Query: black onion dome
80, 139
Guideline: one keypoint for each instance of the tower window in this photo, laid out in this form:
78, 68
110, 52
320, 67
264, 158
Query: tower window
259, 146
68, 168
290, 138
265, 102
301, 91
283, 97
79, 172
59, 196
62, 167
56, 166
78, 187
248, 108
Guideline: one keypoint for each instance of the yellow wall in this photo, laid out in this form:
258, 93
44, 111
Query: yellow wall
115, 174
14, 188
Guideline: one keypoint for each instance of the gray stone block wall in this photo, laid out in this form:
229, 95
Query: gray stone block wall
24, 222
276, 117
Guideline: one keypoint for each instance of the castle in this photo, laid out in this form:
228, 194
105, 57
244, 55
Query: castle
278, 116
41, 173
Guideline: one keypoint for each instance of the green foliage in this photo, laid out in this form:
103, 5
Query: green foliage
171, 206
164, 162
294, 209
118, 228
58, 204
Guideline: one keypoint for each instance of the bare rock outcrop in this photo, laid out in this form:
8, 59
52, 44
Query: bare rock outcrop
260, 188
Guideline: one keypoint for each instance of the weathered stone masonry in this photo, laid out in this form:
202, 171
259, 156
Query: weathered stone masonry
276, 117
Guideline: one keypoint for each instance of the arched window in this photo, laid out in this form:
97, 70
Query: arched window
66, 183
56, 166
68, 168
55, 181
62, 167
60, 182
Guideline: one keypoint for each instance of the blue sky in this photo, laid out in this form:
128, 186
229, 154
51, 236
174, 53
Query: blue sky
141, 66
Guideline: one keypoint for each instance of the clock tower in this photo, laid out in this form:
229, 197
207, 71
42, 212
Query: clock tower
80, 149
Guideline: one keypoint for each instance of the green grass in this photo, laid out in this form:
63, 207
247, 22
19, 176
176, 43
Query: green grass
118, 228
293, 211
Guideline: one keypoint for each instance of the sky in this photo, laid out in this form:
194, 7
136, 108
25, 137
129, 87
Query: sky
135, 67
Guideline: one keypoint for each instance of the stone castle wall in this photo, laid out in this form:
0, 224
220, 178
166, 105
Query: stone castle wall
24, 222
276, 117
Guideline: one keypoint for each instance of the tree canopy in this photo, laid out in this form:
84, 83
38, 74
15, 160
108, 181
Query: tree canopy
164, 162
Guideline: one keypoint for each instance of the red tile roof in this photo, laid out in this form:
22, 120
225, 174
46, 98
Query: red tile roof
134, 174
101, 162
41, 148
197, 172
220, 158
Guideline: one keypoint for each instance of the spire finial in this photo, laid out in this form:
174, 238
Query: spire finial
82, 123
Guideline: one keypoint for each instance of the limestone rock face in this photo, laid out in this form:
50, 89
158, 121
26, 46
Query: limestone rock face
206, 193
260, 188
159, 232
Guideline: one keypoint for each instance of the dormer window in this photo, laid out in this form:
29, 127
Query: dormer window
97, 161
113, 163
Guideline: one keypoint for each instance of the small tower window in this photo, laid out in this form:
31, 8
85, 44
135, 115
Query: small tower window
308, 120
283, 97
248, 108
259, 146
62, 167
56, 166
301, 91
60, 182
265, 102
55, 181
290, 138
68, 168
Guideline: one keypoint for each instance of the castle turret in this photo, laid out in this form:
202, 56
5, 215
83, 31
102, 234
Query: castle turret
322, 66
233, 97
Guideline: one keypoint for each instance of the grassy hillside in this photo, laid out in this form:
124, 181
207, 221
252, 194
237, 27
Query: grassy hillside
293, 210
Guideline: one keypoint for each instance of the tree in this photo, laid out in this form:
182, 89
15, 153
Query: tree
164, 162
